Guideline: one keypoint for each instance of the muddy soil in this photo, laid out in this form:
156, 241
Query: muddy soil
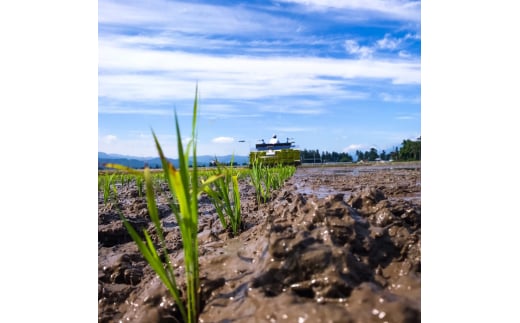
335, 244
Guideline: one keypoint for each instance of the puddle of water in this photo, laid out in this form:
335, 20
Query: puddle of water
340, 174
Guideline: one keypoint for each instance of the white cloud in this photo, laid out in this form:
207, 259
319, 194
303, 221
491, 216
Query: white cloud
289, 109
353, 48
404, 54
134, 144
400, 9
164, 40
222, 140
129, 110
386, 43
293, 129
108, 139
173, 16
412, 36
352, 148
387, 97
144, 74
389, 42
219, 108
186, 140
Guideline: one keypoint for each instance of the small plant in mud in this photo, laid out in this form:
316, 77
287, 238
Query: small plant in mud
257, 178
283, 172
109, 187
185, 189
139, 184
225, 196
265, 179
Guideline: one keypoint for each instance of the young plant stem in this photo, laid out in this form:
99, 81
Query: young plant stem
185, 189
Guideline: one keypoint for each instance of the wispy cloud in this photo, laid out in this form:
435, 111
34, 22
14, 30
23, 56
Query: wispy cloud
398, 9
404, 54
353, 48
136, 143
284, 109
225, 111
389, 42
405, 117
387, 97
352, 148
108, 139
176, 16
128, 74
136, 111
222, 140
293, 129
381, 46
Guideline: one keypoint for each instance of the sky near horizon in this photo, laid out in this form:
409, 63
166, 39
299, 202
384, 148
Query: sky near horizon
332, 75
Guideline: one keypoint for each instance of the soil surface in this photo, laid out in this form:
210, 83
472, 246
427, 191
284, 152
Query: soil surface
335, 244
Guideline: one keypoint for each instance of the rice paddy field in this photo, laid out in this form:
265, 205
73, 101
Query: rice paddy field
305, 244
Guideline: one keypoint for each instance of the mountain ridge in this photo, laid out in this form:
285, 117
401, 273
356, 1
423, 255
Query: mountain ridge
155, 162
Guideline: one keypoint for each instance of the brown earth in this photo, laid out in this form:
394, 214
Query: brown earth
335, 244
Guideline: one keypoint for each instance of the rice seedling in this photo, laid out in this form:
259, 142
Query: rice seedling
108, 187
163, 269
219, 199
265, 178
185, 190
279, 174
123, 179
258, 180
129, 179
114, 189
225, 196
139, 184
236, 216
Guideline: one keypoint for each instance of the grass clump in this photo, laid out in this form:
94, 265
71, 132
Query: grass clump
258, 181
266, 178
225, 196
107, 181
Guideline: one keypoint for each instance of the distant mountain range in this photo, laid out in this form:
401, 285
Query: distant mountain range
155, 162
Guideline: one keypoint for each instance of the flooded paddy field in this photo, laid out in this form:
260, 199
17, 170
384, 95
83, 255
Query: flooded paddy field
335, 244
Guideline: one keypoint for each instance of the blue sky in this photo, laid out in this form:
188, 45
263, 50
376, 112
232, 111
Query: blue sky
334, 75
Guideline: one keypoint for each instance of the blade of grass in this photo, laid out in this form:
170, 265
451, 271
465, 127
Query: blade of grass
150, 254
185, 189
235, 223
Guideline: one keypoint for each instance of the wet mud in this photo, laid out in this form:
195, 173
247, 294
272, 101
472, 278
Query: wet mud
335, 244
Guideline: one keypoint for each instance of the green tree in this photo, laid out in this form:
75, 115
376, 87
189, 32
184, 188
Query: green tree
359, 155
372, 154
410, 150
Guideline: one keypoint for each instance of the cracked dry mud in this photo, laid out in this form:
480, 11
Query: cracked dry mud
335, 244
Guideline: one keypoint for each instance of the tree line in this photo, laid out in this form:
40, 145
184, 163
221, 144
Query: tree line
409, 150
